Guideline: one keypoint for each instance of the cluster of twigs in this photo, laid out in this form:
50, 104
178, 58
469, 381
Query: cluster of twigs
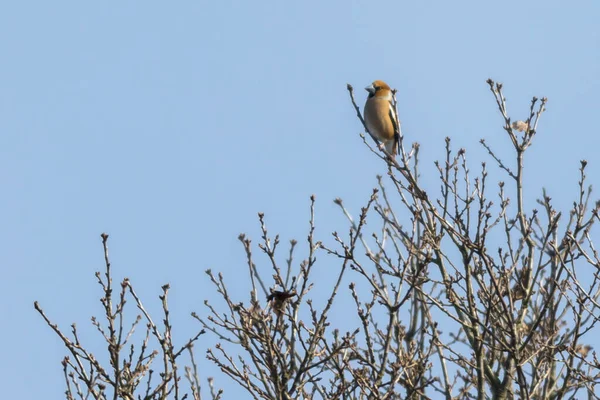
459, 294
148, 368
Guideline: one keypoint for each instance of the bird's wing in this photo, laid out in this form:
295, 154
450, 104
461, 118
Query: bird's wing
396, 124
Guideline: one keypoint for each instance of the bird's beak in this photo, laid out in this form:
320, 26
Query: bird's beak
370, 89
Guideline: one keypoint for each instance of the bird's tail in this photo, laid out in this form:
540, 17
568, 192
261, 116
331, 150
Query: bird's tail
391, 146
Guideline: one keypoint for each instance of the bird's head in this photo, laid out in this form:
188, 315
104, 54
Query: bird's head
377, 86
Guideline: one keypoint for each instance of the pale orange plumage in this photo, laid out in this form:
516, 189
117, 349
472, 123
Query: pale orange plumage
380, 115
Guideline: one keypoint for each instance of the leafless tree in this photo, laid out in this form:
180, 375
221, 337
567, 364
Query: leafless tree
130, 373
464, 293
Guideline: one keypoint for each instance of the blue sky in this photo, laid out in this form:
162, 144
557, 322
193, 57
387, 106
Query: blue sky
169, 126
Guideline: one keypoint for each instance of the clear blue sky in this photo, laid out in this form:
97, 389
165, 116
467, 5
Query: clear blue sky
169, 126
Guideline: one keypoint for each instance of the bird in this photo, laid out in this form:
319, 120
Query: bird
380, 116
279, 300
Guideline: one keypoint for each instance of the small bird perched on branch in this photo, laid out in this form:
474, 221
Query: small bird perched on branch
380, 116
279, 300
